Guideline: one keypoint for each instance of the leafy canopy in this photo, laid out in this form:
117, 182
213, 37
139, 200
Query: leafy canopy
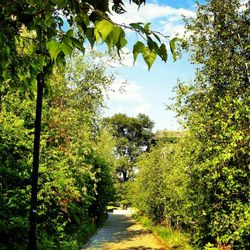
133, 136
215, 108
50, 41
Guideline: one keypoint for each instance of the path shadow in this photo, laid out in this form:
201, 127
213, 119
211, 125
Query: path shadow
123, 231
119, 229
143, 248
129, 234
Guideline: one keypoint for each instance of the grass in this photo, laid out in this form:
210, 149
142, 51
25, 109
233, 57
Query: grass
173, 239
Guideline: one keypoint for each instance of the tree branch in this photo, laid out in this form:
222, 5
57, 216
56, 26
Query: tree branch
8, 3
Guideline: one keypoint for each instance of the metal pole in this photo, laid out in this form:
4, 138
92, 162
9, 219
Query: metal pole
36, 151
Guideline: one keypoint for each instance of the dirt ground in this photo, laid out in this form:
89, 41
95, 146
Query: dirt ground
121, 232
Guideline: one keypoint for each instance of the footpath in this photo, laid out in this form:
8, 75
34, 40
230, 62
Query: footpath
121, 232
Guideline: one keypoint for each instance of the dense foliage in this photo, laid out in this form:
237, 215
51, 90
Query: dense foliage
216, 110
75, 174
52, 23
160, 189
196, 180
203, 183
35, 35
133, 136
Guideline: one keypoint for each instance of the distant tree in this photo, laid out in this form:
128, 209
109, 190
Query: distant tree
133, 136
167, 136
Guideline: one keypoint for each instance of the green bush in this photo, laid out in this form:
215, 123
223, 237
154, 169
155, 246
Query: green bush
75, 170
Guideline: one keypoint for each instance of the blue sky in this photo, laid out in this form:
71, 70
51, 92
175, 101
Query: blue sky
149, 91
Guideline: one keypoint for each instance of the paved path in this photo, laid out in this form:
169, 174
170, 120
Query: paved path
120, 232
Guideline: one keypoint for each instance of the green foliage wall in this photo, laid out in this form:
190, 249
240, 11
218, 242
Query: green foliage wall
216, 110
75, 182
204, 183
160, 189
15, 162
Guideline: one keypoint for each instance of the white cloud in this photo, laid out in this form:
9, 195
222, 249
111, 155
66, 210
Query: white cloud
128, 98
173, 28
149, 12
169, 19
125, 91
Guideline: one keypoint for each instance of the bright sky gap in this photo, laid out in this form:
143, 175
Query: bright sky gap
150, 91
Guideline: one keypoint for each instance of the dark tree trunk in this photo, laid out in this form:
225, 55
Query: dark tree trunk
125, 176
34, 178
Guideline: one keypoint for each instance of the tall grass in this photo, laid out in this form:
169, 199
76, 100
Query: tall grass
173, 239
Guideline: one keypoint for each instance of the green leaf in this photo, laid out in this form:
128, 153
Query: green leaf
85, 19
102, 29
163, 52
78, 44
153, 45
116, 34
147, 25
137, 49
113, 37
68, 41
122, 41
157, 37
172, 44
66, 48
90, 36
137, 26
70, 33
149, 56
82, 19
146, 28
53, 48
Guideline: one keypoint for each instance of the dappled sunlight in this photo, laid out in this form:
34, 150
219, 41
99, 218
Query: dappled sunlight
121, 232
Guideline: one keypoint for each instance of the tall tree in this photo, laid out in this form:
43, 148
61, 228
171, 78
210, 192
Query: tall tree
133, 136
216, 110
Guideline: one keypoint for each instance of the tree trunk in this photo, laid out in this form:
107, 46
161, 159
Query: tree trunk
125, 176
34, 178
